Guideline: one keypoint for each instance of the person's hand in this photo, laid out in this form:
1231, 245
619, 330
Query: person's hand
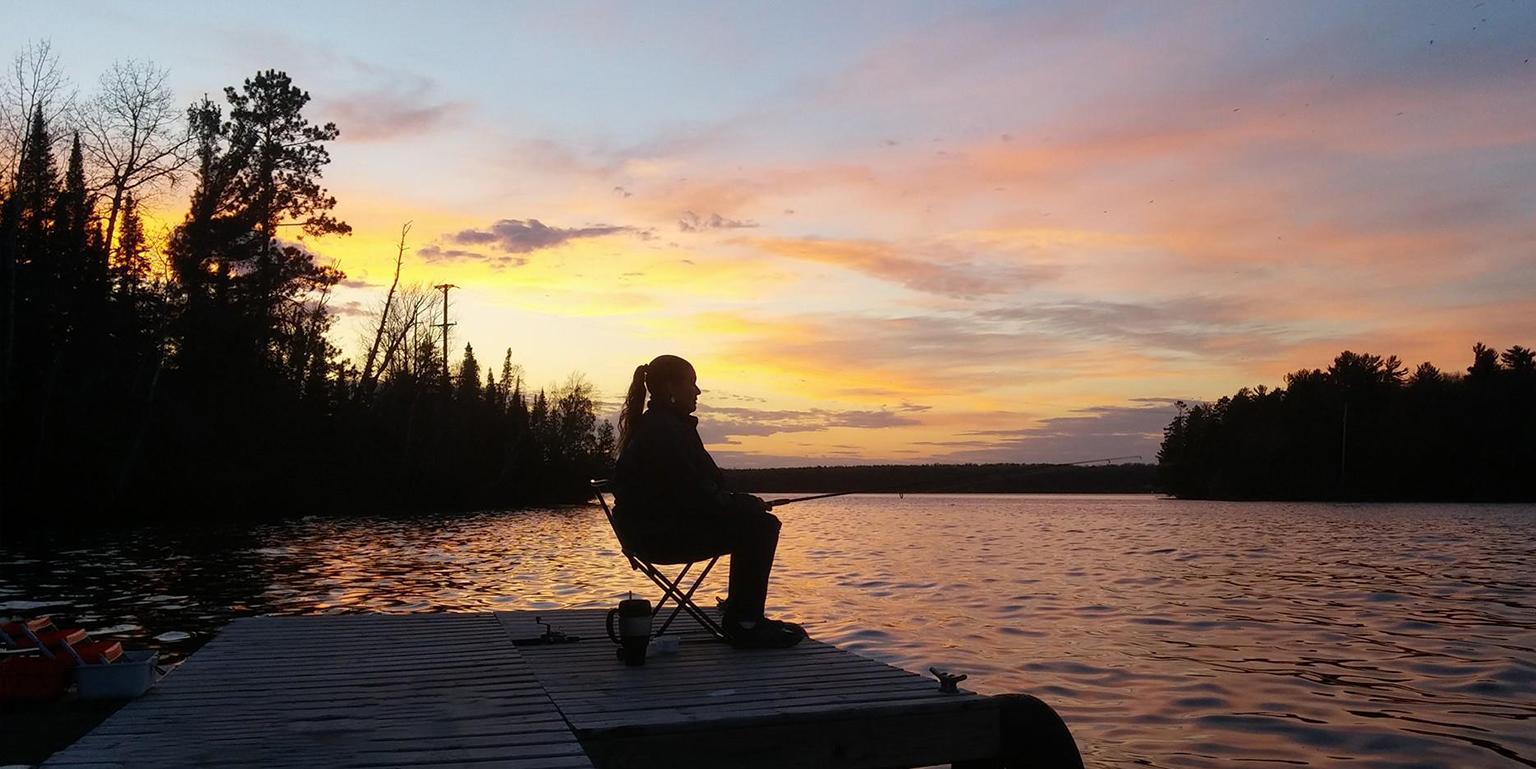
748, 503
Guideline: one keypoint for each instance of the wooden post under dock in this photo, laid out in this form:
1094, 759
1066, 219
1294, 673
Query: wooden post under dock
453, 690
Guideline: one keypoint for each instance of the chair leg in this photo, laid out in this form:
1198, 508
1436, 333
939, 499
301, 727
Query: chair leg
667, 584
671, 589
707, 622
704, 620
687, 600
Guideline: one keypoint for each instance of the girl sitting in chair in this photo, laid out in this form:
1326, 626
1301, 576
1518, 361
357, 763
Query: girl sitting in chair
669, 505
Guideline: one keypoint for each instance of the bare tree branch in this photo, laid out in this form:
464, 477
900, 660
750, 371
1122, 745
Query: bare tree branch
34, 82
366, 381
406, 335
134, 134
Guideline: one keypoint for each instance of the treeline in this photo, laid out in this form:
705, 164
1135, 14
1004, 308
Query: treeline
1001, 478
196, 376
1365, 429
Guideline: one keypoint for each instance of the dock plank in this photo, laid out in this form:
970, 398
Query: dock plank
711, 705
434, 690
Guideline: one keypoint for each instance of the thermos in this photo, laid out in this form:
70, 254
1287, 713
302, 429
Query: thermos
634, 633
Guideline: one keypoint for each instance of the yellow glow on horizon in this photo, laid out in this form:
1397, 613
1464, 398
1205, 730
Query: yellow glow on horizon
992, 264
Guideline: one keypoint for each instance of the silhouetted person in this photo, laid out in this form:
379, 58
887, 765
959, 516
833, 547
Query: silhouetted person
670, 506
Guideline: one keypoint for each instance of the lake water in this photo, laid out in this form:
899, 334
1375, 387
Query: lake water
1167, 633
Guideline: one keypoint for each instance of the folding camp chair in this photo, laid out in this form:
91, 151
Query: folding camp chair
671, 587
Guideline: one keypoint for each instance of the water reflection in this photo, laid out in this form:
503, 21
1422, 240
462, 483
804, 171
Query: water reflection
1168, 633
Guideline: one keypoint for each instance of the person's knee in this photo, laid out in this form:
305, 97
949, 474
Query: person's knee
750, 530
759, 524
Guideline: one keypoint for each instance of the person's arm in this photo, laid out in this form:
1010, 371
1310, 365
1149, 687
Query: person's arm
691, 483
734, 501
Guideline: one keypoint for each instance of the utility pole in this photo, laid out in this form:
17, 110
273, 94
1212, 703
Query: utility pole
443, 287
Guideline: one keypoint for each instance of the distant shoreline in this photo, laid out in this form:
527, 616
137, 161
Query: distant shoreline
996, 478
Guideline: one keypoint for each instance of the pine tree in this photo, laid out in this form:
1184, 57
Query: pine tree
35, 190
36, 294
469, 377
81, 263
131, 266
73, 211
258, 170
607, 445
539, 431
1485, 363
511, 384
517, 409
1426, 375
1519, 360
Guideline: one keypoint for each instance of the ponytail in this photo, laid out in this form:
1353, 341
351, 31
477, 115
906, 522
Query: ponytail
634, 406
658, 375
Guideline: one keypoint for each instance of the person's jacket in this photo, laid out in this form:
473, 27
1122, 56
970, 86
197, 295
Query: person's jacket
665, 478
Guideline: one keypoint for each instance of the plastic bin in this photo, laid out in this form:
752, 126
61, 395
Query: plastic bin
131, 675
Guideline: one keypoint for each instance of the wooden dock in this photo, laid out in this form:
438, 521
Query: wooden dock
453, 690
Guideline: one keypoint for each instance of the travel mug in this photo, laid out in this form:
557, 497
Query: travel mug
634, 632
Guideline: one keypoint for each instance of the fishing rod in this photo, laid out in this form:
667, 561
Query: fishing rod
904, 489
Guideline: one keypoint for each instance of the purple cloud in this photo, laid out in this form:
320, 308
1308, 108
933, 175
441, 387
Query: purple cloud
1088, 433
692, 222
521, 236
435, 253
720, 424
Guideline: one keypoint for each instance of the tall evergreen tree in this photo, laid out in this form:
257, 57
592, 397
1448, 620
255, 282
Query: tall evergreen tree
73, 216
607, 448
257, 171
37, 281
1520, 361
82, 263
131, 267
469, 377
35, 190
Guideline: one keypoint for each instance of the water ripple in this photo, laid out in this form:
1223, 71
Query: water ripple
1169, 634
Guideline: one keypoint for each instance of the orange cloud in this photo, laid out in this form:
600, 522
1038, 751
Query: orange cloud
934, 268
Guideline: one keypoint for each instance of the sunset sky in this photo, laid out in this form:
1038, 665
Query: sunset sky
907, 232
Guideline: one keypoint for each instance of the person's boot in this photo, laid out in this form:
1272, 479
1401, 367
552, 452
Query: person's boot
724, 607
761, 633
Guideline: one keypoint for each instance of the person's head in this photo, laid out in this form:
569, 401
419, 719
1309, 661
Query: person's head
672, 384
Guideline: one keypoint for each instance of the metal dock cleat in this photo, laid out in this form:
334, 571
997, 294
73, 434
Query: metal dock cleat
948, 682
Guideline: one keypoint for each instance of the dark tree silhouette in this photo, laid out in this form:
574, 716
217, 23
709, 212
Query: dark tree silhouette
131, 267
1363, 429
34, 84
134, 136
990, 478
469, 377
209, 387
35, 274
258, 171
